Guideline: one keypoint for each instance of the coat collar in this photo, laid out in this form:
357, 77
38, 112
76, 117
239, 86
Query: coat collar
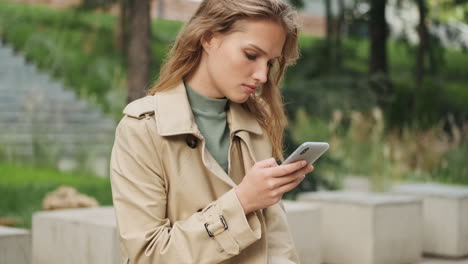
174, 115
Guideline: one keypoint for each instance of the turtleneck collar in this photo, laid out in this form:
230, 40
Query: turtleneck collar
205, 104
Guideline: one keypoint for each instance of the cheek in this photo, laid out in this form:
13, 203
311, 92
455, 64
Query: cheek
237, 62
231, 65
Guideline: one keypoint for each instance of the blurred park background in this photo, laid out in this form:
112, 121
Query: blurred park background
385, 82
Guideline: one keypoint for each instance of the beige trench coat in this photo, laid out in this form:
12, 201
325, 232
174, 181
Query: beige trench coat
175, 204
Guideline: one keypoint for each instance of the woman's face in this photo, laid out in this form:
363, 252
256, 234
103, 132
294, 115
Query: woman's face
238, 63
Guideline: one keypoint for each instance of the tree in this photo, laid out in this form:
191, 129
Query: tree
339, 26
133, 38
121, 27
329, 32
424, 43
378, 37
139, 49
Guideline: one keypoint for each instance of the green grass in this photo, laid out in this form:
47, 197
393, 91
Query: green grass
22, 189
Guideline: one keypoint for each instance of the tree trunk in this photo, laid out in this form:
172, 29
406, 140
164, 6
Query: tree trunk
122, 27
139, 49
329, 19
378, 37
328, 36
423, 42
423, 50
339, 28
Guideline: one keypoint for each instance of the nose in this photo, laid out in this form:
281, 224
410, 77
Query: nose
261, 73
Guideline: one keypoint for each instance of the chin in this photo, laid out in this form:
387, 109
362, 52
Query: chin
239, 99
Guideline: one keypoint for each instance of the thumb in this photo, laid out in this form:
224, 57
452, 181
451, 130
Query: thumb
267, 163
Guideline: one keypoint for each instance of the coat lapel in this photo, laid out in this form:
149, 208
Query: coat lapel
174, 117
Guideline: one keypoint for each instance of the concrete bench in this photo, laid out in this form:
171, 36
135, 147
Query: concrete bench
432, 260
15, 245
304, 223
445, 217
75, 236
366, 228
357, 184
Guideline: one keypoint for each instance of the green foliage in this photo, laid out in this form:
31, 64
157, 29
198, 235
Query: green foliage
361, 145
78, 48
97, 4
24, 188
320, 97
299, 4
448, 10
303, 130
403, 102
454, 169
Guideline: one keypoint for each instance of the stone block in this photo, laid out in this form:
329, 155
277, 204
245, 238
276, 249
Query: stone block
304, 222
445, 217
433, 260
15, 246
357, 184
75, 236
368, 228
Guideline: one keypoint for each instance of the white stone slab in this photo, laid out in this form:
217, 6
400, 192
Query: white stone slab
443, 261
15, 245
445, 216
75, 236
357, 183
368, 228
304, 223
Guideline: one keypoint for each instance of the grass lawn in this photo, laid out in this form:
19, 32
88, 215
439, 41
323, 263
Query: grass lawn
22, 189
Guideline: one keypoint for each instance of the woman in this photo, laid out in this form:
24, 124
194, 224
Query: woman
192, 169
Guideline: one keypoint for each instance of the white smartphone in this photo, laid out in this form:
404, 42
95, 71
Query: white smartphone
308, 151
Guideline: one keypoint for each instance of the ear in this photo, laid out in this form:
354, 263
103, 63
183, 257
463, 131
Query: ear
207, 41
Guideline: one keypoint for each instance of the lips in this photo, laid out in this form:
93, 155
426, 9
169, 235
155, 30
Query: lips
250, 88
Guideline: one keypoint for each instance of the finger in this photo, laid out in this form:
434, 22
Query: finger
291, 185
288, 168
293, 176
280, 181
267, 163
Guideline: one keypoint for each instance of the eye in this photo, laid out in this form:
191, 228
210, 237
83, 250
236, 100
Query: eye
253, 57
250, 57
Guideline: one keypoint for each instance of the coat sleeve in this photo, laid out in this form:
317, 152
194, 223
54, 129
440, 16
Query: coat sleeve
139, 194
280, 243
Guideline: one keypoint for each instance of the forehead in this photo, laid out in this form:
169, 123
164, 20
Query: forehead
268, 35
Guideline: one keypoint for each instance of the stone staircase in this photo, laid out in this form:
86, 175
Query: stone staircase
42, 121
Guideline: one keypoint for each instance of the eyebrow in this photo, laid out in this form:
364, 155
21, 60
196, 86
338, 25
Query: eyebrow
261, 51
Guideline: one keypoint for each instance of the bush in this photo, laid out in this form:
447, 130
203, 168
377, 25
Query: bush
361, 145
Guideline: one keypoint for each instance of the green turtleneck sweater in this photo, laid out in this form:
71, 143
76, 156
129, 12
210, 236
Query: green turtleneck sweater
210, 116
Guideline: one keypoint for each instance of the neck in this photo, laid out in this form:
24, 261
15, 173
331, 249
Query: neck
202, 83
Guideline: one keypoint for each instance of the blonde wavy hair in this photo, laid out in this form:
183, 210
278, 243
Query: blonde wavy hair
213, 16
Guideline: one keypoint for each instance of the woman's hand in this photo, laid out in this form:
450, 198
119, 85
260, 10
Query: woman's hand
266, 182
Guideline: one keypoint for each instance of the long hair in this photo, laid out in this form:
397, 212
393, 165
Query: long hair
214, 16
